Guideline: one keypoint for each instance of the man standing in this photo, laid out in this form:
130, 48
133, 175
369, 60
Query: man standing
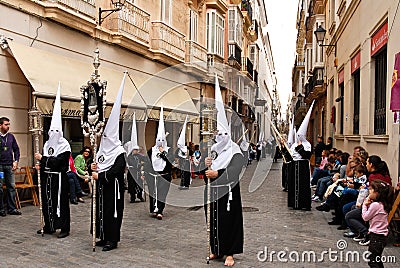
54, 165
158, 171
226, 217
109, 171
9, 157
135, 163
182, 156
319, 147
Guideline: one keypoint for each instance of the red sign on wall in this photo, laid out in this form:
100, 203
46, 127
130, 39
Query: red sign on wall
341, 76
355, 62
379, 39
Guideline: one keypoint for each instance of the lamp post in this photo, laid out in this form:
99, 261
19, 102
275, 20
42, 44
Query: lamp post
118, 4
320, 36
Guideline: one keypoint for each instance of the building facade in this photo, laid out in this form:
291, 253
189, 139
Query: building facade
358, 58
51, 41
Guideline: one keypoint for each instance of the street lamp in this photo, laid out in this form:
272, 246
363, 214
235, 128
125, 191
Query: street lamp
320, 36
118, 4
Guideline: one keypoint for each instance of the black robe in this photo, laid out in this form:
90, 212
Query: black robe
184, 168
49, 191
226, 227
161, 180
298, 179
108, 227
136, 164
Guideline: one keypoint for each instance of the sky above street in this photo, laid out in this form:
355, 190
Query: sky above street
282, 32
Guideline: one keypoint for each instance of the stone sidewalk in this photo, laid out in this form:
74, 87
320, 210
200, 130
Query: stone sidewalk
179, 240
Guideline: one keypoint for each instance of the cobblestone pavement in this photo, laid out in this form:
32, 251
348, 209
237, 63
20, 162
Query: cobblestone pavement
179, 240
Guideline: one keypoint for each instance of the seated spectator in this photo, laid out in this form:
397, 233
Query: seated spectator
378, 169
75, 190
82, 163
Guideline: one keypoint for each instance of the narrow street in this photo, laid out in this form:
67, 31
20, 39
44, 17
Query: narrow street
179, 240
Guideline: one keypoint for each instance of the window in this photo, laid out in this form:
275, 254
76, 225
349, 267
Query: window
215, 33
194, 22
356, 102
380, 92
166, 9
235, 26
254, 51
341, 93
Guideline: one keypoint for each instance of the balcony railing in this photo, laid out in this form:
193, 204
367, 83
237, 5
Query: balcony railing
86, 7
195, 53
167, 40
247, 66
132, 21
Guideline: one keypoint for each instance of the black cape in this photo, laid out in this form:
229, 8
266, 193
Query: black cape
136, 163
49, 180
226, 233
108, 225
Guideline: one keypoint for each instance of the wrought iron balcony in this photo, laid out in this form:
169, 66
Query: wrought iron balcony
132, 21
167, 41
247, 67
246, 7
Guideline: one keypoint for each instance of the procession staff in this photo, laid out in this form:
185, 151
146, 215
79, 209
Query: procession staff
54, 184
224, 207
109, 173
158, 171
135, 163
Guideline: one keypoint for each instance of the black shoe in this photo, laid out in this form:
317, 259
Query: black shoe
323, 207
132, 200
3, 213
63, 235
15, 212
334, 222
141, 199
159, 216
83, 193
73, 201
80, 199
100, 243
359, 238
45, 231
342, 227
110, 246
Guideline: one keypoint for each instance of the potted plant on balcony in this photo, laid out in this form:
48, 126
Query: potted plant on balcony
244, 5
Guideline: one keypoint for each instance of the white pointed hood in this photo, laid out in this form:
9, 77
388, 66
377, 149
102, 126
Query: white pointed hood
291, 137
181, 140
133, 143
110, 145
244, 144
161, 140
302, 131
224, 149
56, 143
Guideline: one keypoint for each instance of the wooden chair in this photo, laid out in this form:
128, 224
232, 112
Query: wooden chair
394, 216
26, 183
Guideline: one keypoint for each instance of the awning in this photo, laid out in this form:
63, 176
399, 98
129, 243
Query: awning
44, 70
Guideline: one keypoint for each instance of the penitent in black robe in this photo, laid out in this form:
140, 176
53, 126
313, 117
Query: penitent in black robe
51, 168
158, 182
226, 232
109, 209
298, 180
136, 164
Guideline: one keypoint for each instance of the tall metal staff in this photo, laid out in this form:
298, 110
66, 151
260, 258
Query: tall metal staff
35, 126
208, 114
93, 103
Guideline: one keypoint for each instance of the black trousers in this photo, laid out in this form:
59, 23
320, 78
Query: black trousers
376, 245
